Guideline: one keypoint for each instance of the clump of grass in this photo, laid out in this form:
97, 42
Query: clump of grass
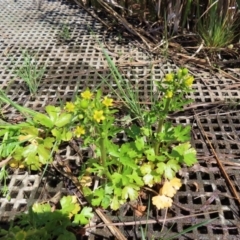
217, 24
65, 33
125, 90
30, 72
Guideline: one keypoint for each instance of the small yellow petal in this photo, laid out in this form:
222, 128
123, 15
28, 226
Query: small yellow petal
108, 102
169, 77
169, 94
189, 81
98, 115
86, 94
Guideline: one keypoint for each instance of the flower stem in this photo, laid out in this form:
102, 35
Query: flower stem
160, 125
102, 142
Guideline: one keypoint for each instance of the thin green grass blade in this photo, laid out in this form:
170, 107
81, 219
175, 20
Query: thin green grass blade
125, 91
142, 234
191, 228
186, 11
23, 110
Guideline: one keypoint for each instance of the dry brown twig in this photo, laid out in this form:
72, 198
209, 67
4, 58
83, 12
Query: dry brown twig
5, 161
123, 21
152, 221
219, 162
91, 13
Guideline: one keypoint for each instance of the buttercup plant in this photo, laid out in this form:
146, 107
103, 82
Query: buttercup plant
152, 156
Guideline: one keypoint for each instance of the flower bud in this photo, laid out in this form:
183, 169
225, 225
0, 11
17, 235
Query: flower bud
84, 103
180, 74
169, 77
169, 94
189, 81
185, 71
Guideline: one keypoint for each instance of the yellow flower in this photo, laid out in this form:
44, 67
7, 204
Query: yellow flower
108, 102
70, 107
169, 94
169, 77
79, 131
189, 81
16, 164
98, 115
86, 181
86, 94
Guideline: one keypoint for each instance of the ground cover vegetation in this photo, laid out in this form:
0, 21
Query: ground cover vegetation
30, 72
156, 148
115, 172
188, 27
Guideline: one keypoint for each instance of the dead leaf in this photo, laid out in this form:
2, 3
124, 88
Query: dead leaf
170, 188
176, 183
196, 185
143, 194
139, 210
161, 201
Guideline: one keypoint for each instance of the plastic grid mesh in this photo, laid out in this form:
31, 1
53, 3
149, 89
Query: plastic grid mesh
24, 190
210, 89
200, 185
28, 25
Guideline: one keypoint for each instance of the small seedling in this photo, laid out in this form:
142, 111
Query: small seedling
3, 182
30, 72
65, 33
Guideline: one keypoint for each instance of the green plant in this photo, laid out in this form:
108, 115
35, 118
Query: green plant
30, 72
26, 112
42, 222
125, 92
217, 23
151, 155
33, 142
154, 153
65, 33
3, 181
